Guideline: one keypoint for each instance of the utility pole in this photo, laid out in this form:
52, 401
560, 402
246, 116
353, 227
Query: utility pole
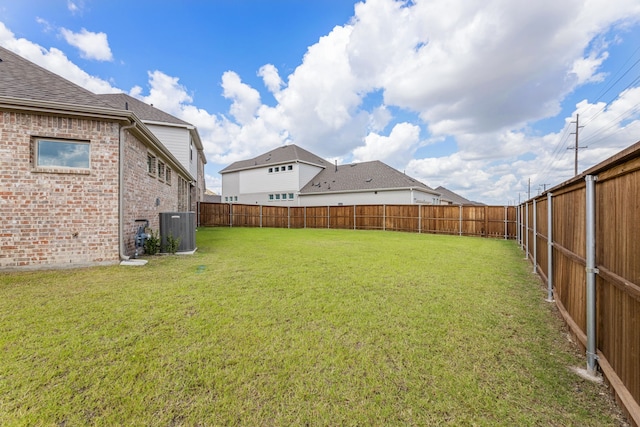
576, 146
529, 190
544, 187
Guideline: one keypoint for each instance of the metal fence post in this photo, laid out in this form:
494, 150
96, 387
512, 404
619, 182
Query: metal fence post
505, 222
526, 228
384, 217
260, 216
288, 216
535, 239
549, 249
591, 273
328, 217
305, 217
354, 217
460, 221
518, 225
230, 214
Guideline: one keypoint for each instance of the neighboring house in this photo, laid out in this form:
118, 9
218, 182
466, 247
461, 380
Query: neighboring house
451, 198
179, 137
292, 176
75, 173
276, 176
211, 197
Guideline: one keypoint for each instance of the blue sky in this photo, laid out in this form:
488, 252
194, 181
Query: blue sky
478, 98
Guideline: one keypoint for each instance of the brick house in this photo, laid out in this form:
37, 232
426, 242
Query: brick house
76, 173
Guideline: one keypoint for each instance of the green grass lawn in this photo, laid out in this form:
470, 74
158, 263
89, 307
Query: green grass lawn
277, 327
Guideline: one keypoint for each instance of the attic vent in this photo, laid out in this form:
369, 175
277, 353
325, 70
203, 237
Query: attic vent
368, 180
0, 59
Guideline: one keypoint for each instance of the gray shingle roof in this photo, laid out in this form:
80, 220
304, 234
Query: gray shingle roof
373, 175
23, 79
144, 111
284, 154
454, 197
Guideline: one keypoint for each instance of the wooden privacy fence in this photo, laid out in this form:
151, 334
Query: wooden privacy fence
583, 238
483, 221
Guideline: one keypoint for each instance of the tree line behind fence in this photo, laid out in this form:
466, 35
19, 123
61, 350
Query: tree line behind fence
482, 221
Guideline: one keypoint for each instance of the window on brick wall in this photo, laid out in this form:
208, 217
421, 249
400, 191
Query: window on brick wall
167, 175
183, 195
161, 170
54, 153
151, 164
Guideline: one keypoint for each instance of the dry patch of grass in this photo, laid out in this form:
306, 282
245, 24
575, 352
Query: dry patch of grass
294, 327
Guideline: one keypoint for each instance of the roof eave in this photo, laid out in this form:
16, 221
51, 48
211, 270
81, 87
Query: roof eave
266, 165
369, 190
52, 107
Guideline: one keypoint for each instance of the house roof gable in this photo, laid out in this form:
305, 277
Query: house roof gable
284, 154
454, 197
374, 175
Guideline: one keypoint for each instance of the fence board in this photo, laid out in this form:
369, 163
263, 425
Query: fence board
484, 221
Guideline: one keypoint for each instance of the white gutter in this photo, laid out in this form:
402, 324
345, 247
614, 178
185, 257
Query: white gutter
121, 250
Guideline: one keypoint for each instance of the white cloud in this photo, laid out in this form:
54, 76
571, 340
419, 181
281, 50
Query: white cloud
92, 45
246, 99
45, 24
75, 7
271, 78
165, 93
394, 149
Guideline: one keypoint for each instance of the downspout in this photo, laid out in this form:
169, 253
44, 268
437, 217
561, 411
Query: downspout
122, 250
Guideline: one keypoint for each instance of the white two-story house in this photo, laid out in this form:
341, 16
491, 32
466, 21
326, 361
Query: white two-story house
293, 176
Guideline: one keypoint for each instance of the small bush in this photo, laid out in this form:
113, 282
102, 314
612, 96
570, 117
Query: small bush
172, 245
152, 244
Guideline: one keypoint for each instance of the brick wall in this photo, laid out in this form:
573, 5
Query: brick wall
145, 194
56, 218
61, 219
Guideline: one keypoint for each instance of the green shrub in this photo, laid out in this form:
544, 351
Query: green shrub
152, 244
172, 244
